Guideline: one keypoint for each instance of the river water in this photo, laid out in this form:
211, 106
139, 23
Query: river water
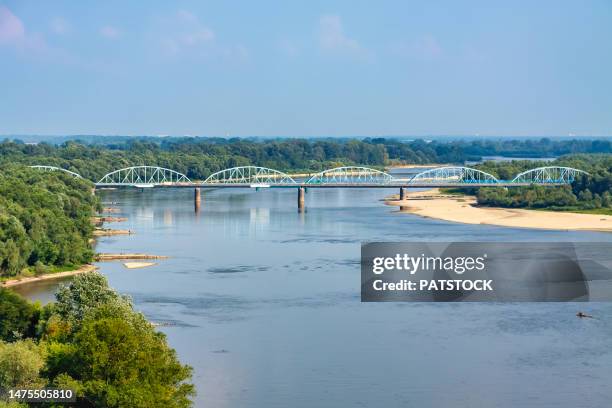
264, 303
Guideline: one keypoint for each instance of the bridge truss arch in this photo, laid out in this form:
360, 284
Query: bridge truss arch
548, 175
143, 175
54, 168
350, 175
249, 175
456, 174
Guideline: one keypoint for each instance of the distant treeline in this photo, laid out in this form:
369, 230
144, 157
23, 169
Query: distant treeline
200, 157
45, 220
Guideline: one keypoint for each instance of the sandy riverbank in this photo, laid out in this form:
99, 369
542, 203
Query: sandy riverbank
57, 275
107, 232
137, 265
114, 257
434, 204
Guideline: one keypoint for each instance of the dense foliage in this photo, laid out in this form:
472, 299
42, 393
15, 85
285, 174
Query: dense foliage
93, 342
45, 220
590, 192
18, 317
90, 340
199, 157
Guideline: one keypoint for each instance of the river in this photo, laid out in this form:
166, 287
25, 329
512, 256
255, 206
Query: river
264, 303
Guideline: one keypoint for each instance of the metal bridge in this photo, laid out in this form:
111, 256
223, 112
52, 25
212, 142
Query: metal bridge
144, 176
350, 175
53, 168
249, 175
339, 177
346, 176
548, 175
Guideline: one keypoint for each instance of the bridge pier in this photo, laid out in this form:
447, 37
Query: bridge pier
301, 192
402, 195
197, 199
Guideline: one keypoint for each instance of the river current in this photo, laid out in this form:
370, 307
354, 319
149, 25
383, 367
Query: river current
264, 303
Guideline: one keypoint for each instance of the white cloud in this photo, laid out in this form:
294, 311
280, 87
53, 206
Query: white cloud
198, 36
110, 32
12, 30
333, 38
184, 35
186, 15
184, 32
14, 34
60, 26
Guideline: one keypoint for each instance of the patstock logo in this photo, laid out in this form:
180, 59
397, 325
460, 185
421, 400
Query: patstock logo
486, 271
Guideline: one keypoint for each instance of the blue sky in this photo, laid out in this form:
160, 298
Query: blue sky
307, 68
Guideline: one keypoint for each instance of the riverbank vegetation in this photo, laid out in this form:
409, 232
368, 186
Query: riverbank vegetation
45, 221
90, 340
199, 157
589, 193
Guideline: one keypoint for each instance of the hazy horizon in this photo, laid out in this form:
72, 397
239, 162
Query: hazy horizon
99, 139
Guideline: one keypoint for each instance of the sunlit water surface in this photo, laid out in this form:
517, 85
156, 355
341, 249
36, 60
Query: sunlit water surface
264, 303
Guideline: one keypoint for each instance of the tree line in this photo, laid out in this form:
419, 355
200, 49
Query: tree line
199, 157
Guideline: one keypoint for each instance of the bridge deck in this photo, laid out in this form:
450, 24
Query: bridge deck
334, 185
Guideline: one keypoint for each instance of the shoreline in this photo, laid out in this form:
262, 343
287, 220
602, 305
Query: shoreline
463, 209
102, 257
107, 232
31, 279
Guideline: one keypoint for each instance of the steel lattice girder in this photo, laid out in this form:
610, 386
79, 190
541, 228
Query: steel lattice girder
53, 168
350, 175
454, 174
249, 175
144, 175
548, 174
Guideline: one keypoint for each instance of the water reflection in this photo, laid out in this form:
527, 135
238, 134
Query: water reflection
259, 218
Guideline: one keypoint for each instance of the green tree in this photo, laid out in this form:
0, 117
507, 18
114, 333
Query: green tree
20, 365
18, 317
585, 195
108, 352
121, 363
